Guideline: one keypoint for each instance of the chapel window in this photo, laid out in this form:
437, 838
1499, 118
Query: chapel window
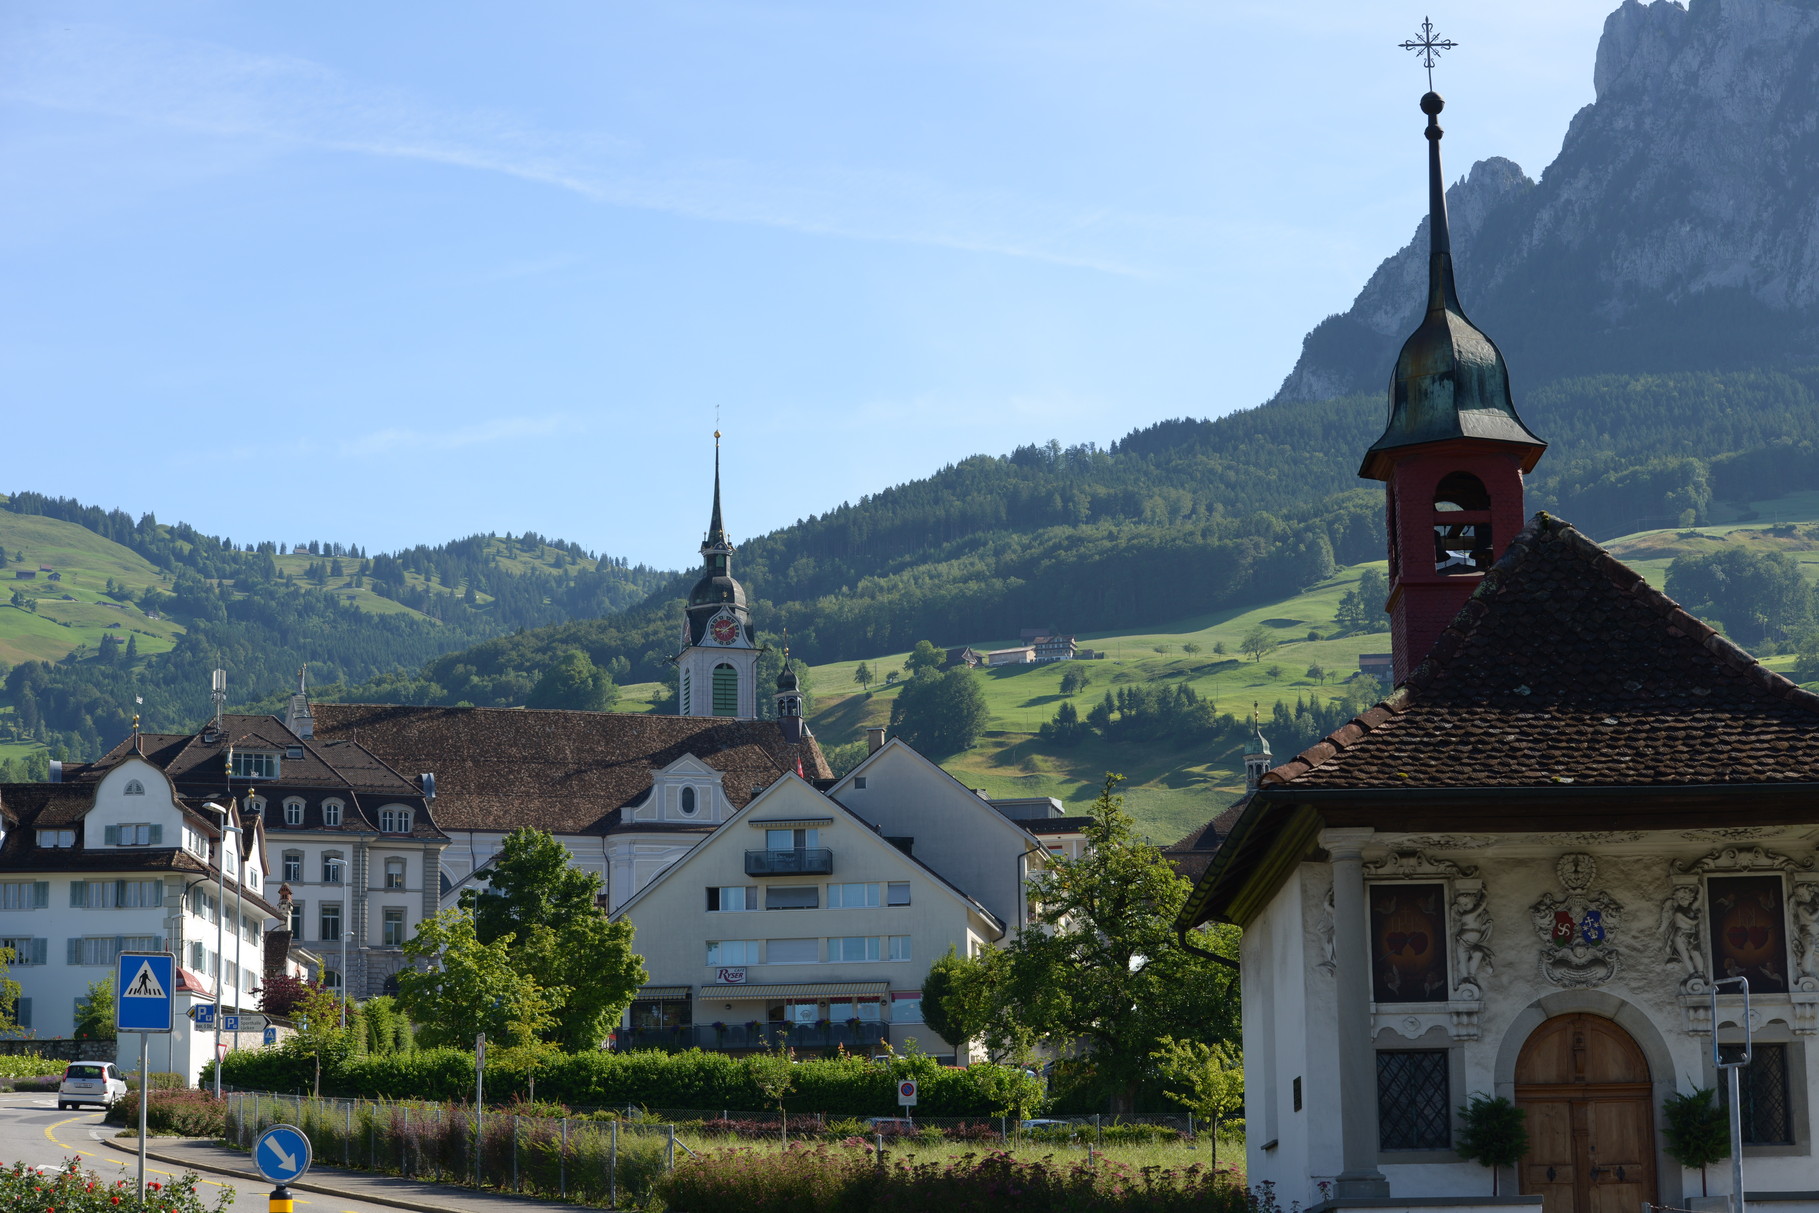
1462, 525
688, 801
1749, 930
1414, 1100
1408, 942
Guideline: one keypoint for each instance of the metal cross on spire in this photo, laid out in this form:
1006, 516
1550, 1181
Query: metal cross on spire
1429, 47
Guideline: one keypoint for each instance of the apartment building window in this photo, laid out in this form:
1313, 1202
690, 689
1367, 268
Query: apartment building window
898, 893
792, 897
394, 873
133, 834
853, 948
115, 894
293, 865
394, 820
791, 840
851, 896
899, 947
101, 949
25, 894
792, 951
56, 838
331, 812
393, 936
293, 812
906, 1007
730, 898
25, 949
334, 869
330, 922
331, 978
732, 952
198, 957
201, 904
253, 764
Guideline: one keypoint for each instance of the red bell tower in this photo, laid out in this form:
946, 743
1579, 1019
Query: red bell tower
1453, 454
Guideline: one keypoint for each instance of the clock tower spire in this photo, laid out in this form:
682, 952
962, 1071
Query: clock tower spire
718, 665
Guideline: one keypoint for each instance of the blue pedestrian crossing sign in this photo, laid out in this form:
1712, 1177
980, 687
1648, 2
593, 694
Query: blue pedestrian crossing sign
145, 985
282, 1153
271, 1036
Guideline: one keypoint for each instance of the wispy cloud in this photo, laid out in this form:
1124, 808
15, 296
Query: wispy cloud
223, 91
395, 441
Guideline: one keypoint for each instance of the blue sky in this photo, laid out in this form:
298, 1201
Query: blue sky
394, 273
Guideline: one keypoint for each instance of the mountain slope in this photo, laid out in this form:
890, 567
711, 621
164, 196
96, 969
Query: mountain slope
1676, 230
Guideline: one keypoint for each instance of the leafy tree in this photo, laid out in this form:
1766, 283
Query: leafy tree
773, 1074
1257, 644
1206, 1079
1361, 607
1066, 729
1104, 969
1190, 648
282, 995
863, 676
566, 944
940, 713
95, 1011
387, 1028
959, 996
1075, 678
327, 1028
575, 683
1755, 595
925, 656
468, 987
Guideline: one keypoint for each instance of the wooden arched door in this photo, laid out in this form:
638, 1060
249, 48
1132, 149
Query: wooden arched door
1591, 1124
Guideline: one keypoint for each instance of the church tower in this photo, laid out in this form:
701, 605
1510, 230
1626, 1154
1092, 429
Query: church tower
1453, 454
718, 664
789, 701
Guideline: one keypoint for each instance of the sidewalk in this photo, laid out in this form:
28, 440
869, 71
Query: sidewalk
203, 1154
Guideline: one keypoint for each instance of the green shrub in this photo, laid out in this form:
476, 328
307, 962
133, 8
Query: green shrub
162, 1080
28, 1065
74, 1190
182, 1113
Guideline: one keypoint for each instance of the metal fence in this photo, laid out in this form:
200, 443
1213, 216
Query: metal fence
604, 1160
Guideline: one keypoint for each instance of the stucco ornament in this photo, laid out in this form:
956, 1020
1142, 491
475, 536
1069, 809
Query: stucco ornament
1472, 954
1681, 918
1412, 865
1578, 929
1324, 929
1805, 906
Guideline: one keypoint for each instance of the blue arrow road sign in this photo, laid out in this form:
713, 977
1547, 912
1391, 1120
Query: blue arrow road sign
282, 1153
145, 985
271, 1036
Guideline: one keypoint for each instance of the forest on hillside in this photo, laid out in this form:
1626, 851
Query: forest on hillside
1176, 519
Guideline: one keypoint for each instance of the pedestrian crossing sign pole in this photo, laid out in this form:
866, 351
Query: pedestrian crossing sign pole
145, 1001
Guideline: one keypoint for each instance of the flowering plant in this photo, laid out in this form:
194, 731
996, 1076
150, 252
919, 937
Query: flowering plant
75, 1190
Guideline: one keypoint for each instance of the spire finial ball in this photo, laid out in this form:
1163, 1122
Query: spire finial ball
1432, 104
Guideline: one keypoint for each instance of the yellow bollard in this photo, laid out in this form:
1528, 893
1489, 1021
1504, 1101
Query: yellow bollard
279, 1201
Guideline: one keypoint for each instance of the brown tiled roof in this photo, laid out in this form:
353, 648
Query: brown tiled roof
1566, 667
567, 772
1190, 855
1566, 690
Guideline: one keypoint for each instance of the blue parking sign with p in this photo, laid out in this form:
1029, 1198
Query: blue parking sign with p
145, 991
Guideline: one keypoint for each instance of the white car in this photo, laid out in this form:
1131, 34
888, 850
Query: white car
96, 1082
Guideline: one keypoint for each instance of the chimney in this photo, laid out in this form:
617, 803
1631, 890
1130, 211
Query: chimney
874, 740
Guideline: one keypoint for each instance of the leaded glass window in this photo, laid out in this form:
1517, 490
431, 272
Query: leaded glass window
1413, 1100
1767, 1120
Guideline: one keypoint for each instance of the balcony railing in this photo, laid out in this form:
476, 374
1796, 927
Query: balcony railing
803, 861
866, 1036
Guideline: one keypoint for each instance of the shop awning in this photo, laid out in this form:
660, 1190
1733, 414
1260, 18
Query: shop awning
663, 992
826, 989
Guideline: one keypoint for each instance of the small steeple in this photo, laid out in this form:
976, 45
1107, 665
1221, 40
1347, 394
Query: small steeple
1450, 380
1261, 760
297, 717
789, 701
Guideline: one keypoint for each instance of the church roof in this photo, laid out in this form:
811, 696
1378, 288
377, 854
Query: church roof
1566, 687
561, 771
1566, 667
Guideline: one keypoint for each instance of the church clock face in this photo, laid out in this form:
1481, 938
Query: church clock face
724, 630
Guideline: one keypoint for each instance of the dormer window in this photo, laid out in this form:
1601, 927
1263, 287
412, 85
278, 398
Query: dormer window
56, 838
688, 802
293, 811
253, 764
133, 788
133, 834
395, 819
331, 812
293, 751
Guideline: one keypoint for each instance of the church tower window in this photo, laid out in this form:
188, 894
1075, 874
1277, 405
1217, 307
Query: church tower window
1462, 525
726, 690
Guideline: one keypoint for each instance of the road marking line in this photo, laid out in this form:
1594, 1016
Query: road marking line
50, 1132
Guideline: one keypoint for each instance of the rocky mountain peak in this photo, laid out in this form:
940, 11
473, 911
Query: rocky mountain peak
1677, 229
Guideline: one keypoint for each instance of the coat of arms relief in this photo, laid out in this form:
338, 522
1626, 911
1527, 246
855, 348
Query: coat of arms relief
1578, 927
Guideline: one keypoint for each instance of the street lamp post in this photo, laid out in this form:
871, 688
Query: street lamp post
221, 926
1734, 1071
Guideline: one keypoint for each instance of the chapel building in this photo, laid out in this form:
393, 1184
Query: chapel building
1523, 872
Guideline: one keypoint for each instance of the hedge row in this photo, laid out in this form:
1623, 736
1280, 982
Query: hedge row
844, 1086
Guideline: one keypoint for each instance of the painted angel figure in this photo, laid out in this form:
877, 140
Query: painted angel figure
1679, 931
1471, 937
